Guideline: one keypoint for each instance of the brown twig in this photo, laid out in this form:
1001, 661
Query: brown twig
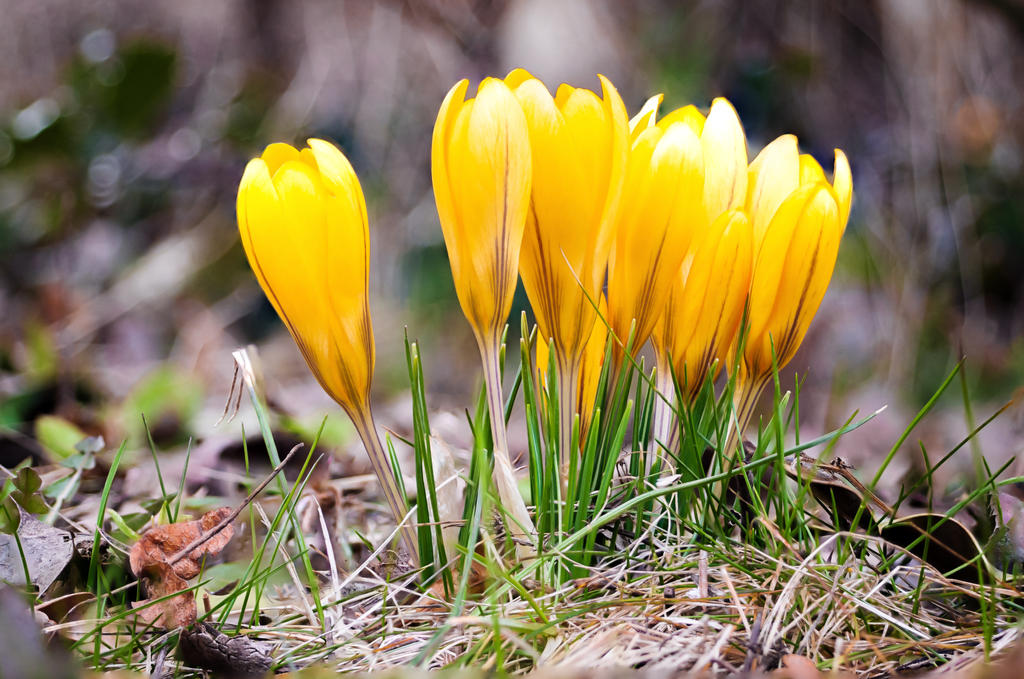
187, 549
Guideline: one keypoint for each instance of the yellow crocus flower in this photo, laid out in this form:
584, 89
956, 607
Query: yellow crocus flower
798, 219
706, 305
779, 170
797, 254
662, 207
579, 145
303, 224
480, 163
688, 332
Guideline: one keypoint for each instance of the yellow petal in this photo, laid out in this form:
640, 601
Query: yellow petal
335, 171
774, 174
635, 189
842, 182
618, 132
791, 274
645, 118
809, 267
556, 188
543, 358
443, 197
643, 224
689, 115
771, 259
275, 155
517, 77
279, 266
810, 170
301, 192
725, 158
258, 217
586, 127
487, 156
665, 212
708, 308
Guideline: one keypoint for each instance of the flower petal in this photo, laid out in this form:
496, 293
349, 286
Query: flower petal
689, 115
725, 159
645, 118
275, 155
774, 174
842, 182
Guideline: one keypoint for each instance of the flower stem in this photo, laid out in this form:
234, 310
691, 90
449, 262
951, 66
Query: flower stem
362, 419
748, 392
666, 424
568, 385
517, 518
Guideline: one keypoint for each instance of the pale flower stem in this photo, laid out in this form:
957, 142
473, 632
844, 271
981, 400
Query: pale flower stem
666, 425
517, 519
568, 386
362, 419
744, 401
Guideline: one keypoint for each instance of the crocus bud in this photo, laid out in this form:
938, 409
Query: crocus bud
661, 209
480, 162
579, 143
798, 219
706, 306
302, 219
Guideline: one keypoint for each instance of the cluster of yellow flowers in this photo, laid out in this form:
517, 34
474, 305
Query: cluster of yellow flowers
666, 211
566, 191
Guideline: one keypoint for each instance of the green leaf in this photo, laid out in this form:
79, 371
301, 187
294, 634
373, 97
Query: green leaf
80, 460
154, 505
58, 436
28, 481
27, 484
90, 445
128, 525
31, 503
10, 517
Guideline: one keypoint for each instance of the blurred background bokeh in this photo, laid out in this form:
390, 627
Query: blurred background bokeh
125, 125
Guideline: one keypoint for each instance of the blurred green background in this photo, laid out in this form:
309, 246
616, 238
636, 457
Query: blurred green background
125, 125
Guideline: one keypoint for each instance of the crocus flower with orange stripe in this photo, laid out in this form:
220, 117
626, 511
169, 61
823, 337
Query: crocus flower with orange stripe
708, 291
798, 218
303, 223
662, 207
579, 143
480, 162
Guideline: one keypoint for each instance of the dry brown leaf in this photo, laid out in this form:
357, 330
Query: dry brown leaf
157, 560
160, 580
161, 543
